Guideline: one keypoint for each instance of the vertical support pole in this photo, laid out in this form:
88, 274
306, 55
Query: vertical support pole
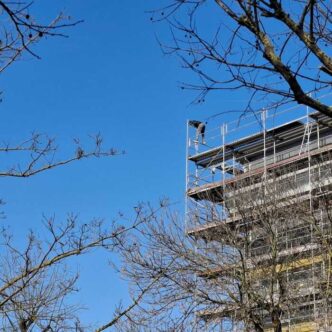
195, 292
313, 274
325, 273
234, 168
186, 217
263, 119
288, 282
223, 141
263, 115
309, 160
223, 133
318, 135
311, 211
309, 130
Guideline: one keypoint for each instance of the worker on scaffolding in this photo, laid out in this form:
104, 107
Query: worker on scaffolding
200, 130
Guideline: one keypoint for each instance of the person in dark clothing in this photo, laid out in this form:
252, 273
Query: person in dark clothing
200, 129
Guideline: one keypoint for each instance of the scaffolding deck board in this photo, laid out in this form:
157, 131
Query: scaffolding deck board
203, 191
251, 146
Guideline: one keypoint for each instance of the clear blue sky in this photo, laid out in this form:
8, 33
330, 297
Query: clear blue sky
109, 76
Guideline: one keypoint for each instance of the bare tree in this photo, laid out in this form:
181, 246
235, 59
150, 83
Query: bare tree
264, 265
36, 281
271, 48
40, 153
20, 30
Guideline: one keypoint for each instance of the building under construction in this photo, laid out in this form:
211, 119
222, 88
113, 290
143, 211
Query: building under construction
260, 189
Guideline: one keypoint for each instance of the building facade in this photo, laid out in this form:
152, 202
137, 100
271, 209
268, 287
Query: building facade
259, 190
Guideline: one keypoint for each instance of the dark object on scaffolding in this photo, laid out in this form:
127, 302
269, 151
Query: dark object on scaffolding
200, 129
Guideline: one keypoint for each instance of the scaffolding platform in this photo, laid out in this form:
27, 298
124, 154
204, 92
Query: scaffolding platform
256, 168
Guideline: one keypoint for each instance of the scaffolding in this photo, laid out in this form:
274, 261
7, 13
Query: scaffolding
261, 187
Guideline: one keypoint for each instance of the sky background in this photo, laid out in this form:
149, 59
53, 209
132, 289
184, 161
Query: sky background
109, 76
